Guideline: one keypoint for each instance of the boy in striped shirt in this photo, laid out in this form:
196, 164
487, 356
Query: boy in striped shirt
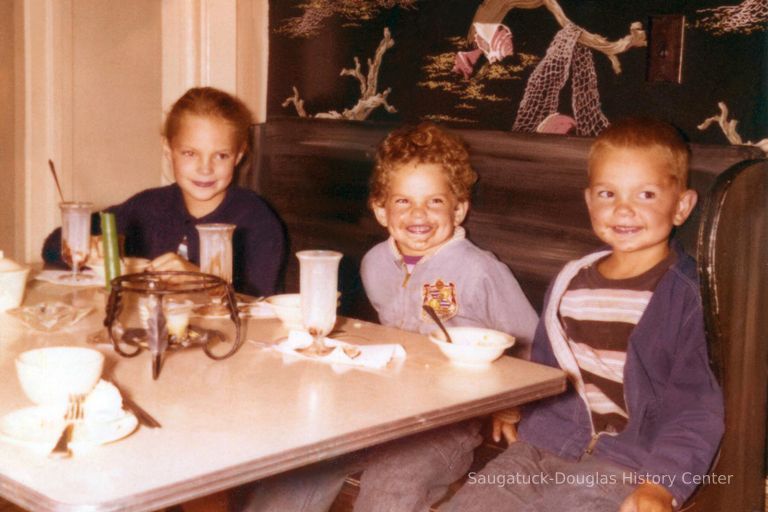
643, 415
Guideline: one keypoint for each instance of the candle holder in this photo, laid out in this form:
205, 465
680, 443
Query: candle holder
153, 311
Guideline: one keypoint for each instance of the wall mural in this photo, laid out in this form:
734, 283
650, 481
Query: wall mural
526, 65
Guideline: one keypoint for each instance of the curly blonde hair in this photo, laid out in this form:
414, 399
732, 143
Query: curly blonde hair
425, 143
208, 101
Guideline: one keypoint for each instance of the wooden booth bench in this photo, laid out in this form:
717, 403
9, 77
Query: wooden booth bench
528, 209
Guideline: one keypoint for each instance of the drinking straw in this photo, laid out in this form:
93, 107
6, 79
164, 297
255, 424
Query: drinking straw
110, 248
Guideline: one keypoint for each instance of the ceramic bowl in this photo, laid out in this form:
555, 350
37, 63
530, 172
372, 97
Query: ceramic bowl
49, 375
472, 346
287, 307
12, 286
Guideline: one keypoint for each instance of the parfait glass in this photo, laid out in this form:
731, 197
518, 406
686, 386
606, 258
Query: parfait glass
75, 236
216, 249
216, 259
318, 280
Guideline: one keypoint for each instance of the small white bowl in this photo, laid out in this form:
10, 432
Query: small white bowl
472, 346
287, 307
49, 375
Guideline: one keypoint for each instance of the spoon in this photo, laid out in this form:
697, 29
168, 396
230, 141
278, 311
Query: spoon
56, 179
433, 316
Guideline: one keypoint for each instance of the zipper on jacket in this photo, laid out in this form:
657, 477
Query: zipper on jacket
592, 443
407, 273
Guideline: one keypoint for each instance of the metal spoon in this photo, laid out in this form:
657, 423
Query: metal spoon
56, 179
433, 316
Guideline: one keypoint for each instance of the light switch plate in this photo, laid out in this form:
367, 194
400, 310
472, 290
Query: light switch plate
665, 48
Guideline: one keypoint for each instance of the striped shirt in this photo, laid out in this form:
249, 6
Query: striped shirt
598, 316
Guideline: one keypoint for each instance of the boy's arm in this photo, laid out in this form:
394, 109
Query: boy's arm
691, 416
507, 309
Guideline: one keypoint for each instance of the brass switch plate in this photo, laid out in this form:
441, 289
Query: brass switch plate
665, 48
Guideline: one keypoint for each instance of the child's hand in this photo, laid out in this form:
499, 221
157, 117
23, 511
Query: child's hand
648, 497
505, 422
172, 261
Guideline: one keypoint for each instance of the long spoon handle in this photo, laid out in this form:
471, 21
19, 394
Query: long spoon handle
56, 179
431, 312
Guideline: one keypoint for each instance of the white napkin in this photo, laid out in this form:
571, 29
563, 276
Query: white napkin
103, 403
256, 310
370, 356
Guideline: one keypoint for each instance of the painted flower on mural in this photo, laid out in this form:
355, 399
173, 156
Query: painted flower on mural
557, 123
477, 88
493, 40
745, 18
353, 12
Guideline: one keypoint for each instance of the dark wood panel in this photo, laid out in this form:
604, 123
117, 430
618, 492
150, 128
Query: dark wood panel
733, 260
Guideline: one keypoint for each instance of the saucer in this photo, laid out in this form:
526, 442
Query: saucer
49, 316
41, 426
85, 278
212, 311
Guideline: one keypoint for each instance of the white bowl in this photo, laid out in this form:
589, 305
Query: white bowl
49, 375
287, 307
472, 346
12, 286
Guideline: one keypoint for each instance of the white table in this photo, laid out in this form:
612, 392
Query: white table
229, 422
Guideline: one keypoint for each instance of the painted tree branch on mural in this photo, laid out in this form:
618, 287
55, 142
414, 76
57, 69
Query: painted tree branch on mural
728, 126
494, 11
369, 100
297, 102
745, 18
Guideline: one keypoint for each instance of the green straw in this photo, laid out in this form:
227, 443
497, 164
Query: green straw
110, 247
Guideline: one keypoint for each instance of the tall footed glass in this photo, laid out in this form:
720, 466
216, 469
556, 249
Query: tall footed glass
75, 236
216, 249
216, 259
318, 279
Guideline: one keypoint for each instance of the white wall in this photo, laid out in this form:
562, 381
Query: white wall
7, 105
116, 100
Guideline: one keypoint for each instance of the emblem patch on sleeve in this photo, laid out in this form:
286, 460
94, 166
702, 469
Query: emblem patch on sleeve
442, 298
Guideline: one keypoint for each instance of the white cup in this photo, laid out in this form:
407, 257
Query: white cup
13, 282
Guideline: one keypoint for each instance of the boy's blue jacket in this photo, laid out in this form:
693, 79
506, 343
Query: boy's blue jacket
675, 404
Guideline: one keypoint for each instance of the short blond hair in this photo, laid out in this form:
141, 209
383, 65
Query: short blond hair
649, 134
211, 102
425, 143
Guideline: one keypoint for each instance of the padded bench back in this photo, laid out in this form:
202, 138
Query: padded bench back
527, 208
733, 263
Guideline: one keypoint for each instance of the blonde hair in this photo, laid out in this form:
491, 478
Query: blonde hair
647, 134
425, 143
208, 101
